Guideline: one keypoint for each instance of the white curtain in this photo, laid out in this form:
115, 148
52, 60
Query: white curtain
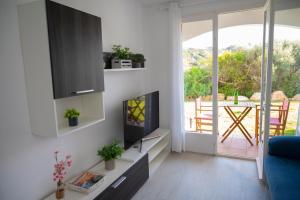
176, 71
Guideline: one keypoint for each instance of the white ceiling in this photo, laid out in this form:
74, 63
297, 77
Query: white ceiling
190, 2
183, 1
153, 1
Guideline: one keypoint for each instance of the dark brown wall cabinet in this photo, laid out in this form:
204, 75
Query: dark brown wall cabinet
75, 49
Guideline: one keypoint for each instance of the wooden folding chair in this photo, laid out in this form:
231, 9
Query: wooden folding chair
203, 116
277, 123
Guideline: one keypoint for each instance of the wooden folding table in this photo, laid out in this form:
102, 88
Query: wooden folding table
237, 120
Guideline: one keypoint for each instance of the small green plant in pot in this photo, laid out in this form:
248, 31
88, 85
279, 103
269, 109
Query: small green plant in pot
109, 153
121, 57
138, 60
120, 52
72, 115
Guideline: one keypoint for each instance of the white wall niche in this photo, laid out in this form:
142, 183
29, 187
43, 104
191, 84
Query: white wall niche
90, 107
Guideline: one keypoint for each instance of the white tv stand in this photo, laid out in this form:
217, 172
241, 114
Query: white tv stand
157, 149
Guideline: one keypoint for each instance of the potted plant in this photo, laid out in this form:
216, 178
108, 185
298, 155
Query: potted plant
109, 153
59, 174
121, 57
138, 60
72, 115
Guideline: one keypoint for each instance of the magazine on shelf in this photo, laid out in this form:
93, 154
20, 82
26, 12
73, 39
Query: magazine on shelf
86, 182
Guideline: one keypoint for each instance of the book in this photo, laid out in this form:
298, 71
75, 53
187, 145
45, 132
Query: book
86, 182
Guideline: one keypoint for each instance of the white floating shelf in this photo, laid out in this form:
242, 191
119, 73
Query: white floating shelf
124, 69
83, 123
91, 110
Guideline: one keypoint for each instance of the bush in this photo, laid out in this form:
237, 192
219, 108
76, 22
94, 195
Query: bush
197, 82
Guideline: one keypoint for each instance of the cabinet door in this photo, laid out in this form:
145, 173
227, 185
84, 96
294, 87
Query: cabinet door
136, 176
75, 50
128, 183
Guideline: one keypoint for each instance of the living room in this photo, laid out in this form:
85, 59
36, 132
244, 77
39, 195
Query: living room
35, 97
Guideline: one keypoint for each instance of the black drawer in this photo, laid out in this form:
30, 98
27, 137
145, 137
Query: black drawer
128, 183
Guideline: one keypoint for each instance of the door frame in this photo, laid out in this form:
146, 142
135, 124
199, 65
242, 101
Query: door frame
207, 143
266, 87
215, 79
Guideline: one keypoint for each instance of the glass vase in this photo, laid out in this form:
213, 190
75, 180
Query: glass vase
60, 191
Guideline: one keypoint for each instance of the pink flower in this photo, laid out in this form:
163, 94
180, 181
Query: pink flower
60, 167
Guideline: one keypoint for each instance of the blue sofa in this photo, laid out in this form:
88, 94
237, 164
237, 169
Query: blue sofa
282, 168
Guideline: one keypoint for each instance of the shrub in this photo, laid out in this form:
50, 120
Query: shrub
197, 82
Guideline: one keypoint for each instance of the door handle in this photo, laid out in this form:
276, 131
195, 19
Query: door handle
118, 182
83, 91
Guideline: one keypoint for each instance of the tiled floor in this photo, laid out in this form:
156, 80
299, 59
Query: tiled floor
237, 145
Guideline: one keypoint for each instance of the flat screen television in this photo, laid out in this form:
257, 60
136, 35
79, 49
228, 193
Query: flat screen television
140, 116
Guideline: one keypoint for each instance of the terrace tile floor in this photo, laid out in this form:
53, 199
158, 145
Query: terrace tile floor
236, 145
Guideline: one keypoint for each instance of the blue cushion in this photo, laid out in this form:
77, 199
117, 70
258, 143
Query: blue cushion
283, 177
285, 146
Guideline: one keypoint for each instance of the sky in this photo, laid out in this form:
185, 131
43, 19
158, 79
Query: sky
245, 36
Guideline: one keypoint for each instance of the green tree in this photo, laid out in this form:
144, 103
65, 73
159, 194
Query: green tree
197, 82
286, 67
239, 70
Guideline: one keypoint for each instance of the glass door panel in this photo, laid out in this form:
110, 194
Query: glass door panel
239, 78
285, 72
199, 58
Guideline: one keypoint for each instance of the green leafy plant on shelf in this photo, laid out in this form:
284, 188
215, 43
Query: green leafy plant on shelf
120, 52
109, 153
72, 113
137, 58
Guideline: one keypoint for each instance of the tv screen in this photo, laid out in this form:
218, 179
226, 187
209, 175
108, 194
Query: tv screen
141, 117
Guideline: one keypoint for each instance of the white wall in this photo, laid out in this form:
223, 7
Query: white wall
26, 161
156, 48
